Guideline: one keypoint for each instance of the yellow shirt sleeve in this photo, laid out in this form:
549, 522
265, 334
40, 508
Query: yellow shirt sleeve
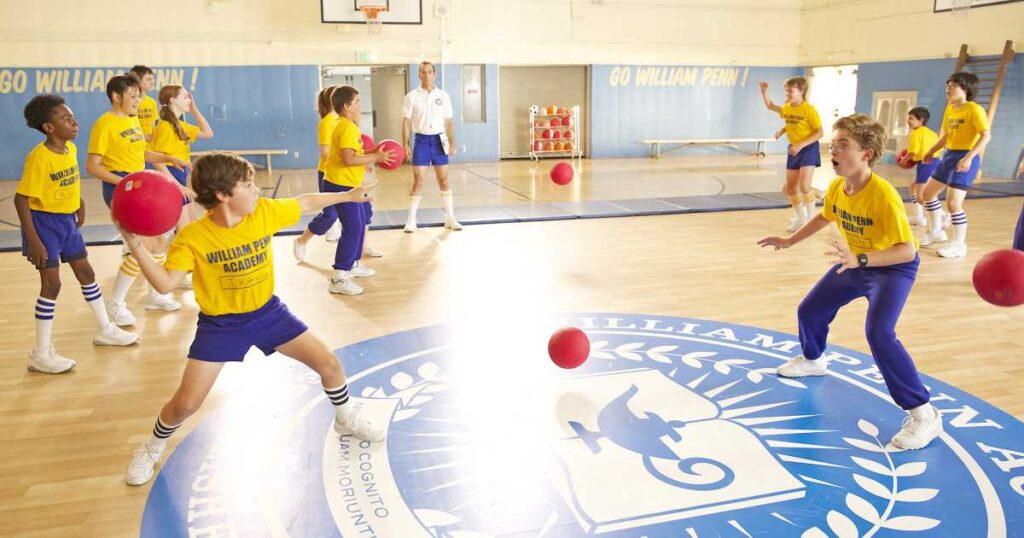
99, 138
280, 213
31, 184
191, 131
979, 118
915, 145
830, 199
895, 222
179, 254
813, 120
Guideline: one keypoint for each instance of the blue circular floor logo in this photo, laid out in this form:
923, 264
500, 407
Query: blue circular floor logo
673, 427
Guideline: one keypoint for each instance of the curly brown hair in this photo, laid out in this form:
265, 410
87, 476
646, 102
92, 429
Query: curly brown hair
866, 131
218, 172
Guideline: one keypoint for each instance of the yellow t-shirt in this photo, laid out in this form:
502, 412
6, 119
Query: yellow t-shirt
119, 140
166, 140
921, 140
232, 268
147, 115
963, 125
324, 130
346, 136
801, 121
871, 220
51, 180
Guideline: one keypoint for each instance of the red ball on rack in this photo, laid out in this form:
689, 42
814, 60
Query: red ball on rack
555, 122
546, 134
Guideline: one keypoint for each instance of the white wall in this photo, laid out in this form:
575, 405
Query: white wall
859, 31
261, 32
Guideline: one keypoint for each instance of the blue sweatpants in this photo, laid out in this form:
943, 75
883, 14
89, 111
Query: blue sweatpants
353, 217
326, 217
1018, 236
886, 289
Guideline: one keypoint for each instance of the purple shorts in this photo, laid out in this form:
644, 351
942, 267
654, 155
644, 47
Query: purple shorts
228, 337
60, 235
809, 156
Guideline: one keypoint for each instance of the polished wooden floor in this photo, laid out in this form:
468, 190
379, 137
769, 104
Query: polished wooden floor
68, 438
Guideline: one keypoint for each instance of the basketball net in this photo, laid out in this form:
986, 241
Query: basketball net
960, 8
373, 21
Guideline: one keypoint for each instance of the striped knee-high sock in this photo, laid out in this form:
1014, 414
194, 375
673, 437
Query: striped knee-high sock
94, 299
934, 209
798, 206
44, 321
339, 399
126, 275
809, 203
918, 206
959, 227
161, 432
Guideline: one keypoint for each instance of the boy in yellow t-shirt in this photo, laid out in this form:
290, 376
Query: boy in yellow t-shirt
803, 128
920, 141
50, 208
964, 135
147, 106
230, 253
878, 261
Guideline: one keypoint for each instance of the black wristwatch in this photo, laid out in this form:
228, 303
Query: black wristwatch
862, 260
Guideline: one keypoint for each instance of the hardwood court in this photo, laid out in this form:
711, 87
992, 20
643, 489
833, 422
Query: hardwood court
69, 437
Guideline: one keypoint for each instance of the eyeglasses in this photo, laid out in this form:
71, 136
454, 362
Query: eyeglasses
843, 147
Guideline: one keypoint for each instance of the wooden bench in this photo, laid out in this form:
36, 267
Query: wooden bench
266, 153
759, 144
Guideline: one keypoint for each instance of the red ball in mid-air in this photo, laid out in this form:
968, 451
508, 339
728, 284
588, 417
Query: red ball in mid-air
569, 347
147, 203
999, 277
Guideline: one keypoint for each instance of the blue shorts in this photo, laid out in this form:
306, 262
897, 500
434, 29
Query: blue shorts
925, 170
60, 235
946, 172
428, 151
809, 156
180, 174
228, 337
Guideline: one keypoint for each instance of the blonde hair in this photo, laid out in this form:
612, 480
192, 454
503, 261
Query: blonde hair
799, 83
868, 133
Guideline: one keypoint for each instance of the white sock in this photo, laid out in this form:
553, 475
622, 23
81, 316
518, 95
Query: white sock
924, 412
810, 204
126, 276
94, 299
414, 205
919, 210
339, 399
798, 207
44, 322
934, 216
161, 432
960, 227
449, 204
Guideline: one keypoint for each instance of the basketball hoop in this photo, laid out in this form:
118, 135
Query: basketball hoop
960, 8
372, 14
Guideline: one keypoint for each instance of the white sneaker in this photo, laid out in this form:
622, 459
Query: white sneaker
918, 431
360, 428
345, 286
162, 302
299, 251
795, 225
918, 221
801, 367
361, 271
48, 361
111, 335
333, 233
953, 250
140, 469
119, 314
186, 283
932, 238
452, 224
371, 252
410, 227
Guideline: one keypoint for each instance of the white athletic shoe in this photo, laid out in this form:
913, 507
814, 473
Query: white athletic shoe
452, 224
360, 428
918, 221
800, 367
186, 283
111, 335
932, 238
953, 250
795, 225
140, 469
361, 271
919, 430
345, 286
299, 251
156, 301
333, 233
119, 314
410, 226
48, 361
371, 252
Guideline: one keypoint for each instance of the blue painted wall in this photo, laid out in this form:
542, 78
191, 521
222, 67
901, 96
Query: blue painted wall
928, 77
480, 139
248, 107
633, 102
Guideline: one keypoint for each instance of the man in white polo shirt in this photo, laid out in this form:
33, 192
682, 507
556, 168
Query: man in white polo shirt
427, 114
